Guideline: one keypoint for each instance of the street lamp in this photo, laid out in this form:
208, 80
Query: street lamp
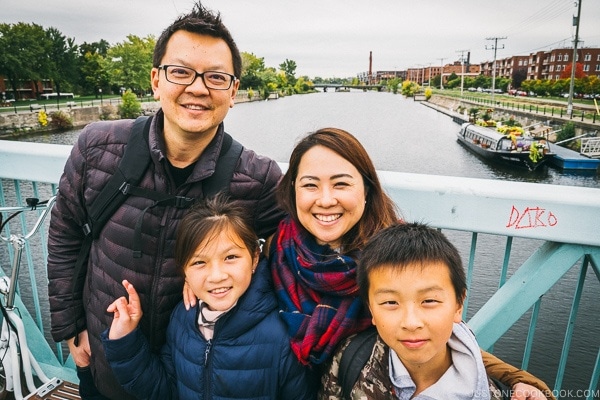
101, 103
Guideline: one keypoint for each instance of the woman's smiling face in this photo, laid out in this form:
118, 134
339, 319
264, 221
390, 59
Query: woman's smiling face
330, 195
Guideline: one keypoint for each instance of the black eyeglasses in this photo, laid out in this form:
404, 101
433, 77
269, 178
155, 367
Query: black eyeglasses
186, 76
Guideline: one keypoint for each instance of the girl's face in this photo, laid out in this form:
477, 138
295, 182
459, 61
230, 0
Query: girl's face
220, 270
330, 195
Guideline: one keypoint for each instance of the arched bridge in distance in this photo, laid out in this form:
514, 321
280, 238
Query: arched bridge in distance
341, 87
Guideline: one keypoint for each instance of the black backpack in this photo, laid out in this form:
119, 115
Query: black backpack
123, 183
354, 358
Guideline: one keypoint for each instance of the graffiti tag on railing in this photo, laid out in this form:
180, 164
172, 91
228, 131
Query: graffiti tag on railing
531, 217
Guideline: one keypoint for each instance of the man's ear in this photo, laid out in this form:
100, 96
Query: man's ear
235, 87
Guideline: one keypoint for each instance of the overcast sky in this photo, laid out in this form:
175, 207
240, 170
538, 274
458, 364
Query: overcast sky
333, 38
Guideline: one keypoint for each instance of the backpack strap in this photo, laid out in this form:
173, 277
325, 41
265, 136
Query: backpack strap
505, 391
130, 170
219, 181
354, 358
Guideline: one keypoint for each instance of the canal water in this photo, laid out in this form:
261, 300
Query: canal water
406, 136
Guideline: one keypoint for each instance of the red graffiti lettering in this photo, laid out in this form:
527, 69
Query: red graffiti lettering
552, 220
531, 217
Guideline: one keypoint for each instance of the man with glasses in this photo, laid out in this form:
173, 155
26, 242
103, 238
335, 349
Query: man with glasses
195, 75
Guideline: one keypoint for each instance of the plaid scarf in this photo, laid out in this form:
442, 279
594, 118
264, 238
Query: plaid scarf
317, 293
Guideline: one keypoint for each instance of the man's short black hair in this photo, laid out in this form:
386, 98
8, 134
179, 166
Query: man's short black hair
204, 22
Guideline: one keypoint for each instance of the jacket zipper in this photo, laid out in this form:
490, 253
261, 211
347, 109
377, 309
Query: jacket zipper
207, 370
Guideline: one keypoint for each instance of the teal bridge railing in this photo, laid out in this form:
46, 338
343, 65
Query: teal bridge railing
521, 241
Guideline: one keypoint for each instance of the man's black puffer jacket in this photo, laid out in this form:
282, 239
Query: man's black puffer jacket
94, 158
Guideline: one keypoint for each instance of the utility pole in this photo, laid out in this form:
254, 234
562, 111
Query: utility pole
441, 73
495, 48
462, 75
429, 77
572, 85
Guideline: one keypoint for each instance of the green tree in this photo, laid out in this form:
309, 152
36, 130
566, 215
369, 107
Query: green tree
481, 81
62, 60
269, 79
252, 67
289, 69
130, 62
561, 86
100, 47
590, 84
453, 81
93, 72
282, 81
303, 85
23, 54
502, 83
393, 84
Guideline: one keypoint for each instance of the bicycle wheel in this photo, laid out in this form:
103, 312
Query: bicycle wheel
3, 391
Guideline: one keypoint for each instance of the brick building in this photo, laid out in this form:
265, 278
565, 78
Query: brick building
25, 89
539, 65
546, 64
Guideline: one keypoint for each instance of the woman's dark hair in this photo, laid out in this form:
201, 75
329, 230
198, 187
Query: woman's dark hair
380, 210
206, 220
404, 244
204, 22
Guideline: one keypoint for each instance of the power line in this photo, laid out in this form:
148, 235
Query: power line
547, 13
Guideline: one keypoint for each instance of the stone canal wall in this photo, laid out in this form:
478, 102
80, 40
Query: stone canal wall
12, 124
27, 121
541, 112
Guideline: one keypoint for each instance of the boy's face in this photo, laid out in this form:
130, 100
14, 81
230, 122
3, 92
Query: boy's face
414, 309
220, 270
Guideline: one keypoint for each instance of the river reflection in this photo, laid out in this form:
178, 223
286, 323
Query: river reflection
406, 136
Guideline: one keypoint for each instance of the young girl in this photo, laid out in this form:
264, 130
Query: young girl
232, 344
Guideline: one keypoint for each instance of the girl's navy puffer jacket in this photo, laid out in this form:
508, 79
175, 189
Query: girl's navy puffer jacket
249, 356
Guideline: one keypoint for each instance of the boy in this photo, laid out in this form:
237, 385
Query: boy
414, 283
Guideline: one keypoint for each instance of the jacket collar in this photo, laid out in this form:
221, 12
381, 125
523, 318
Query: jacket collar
205, 166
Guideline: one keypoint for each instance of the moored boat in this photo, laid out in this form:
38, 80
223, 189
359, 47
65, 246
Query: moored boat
514, 149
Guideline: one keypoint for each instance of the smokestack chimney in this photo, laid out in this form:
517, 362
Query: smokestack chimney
370, 67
